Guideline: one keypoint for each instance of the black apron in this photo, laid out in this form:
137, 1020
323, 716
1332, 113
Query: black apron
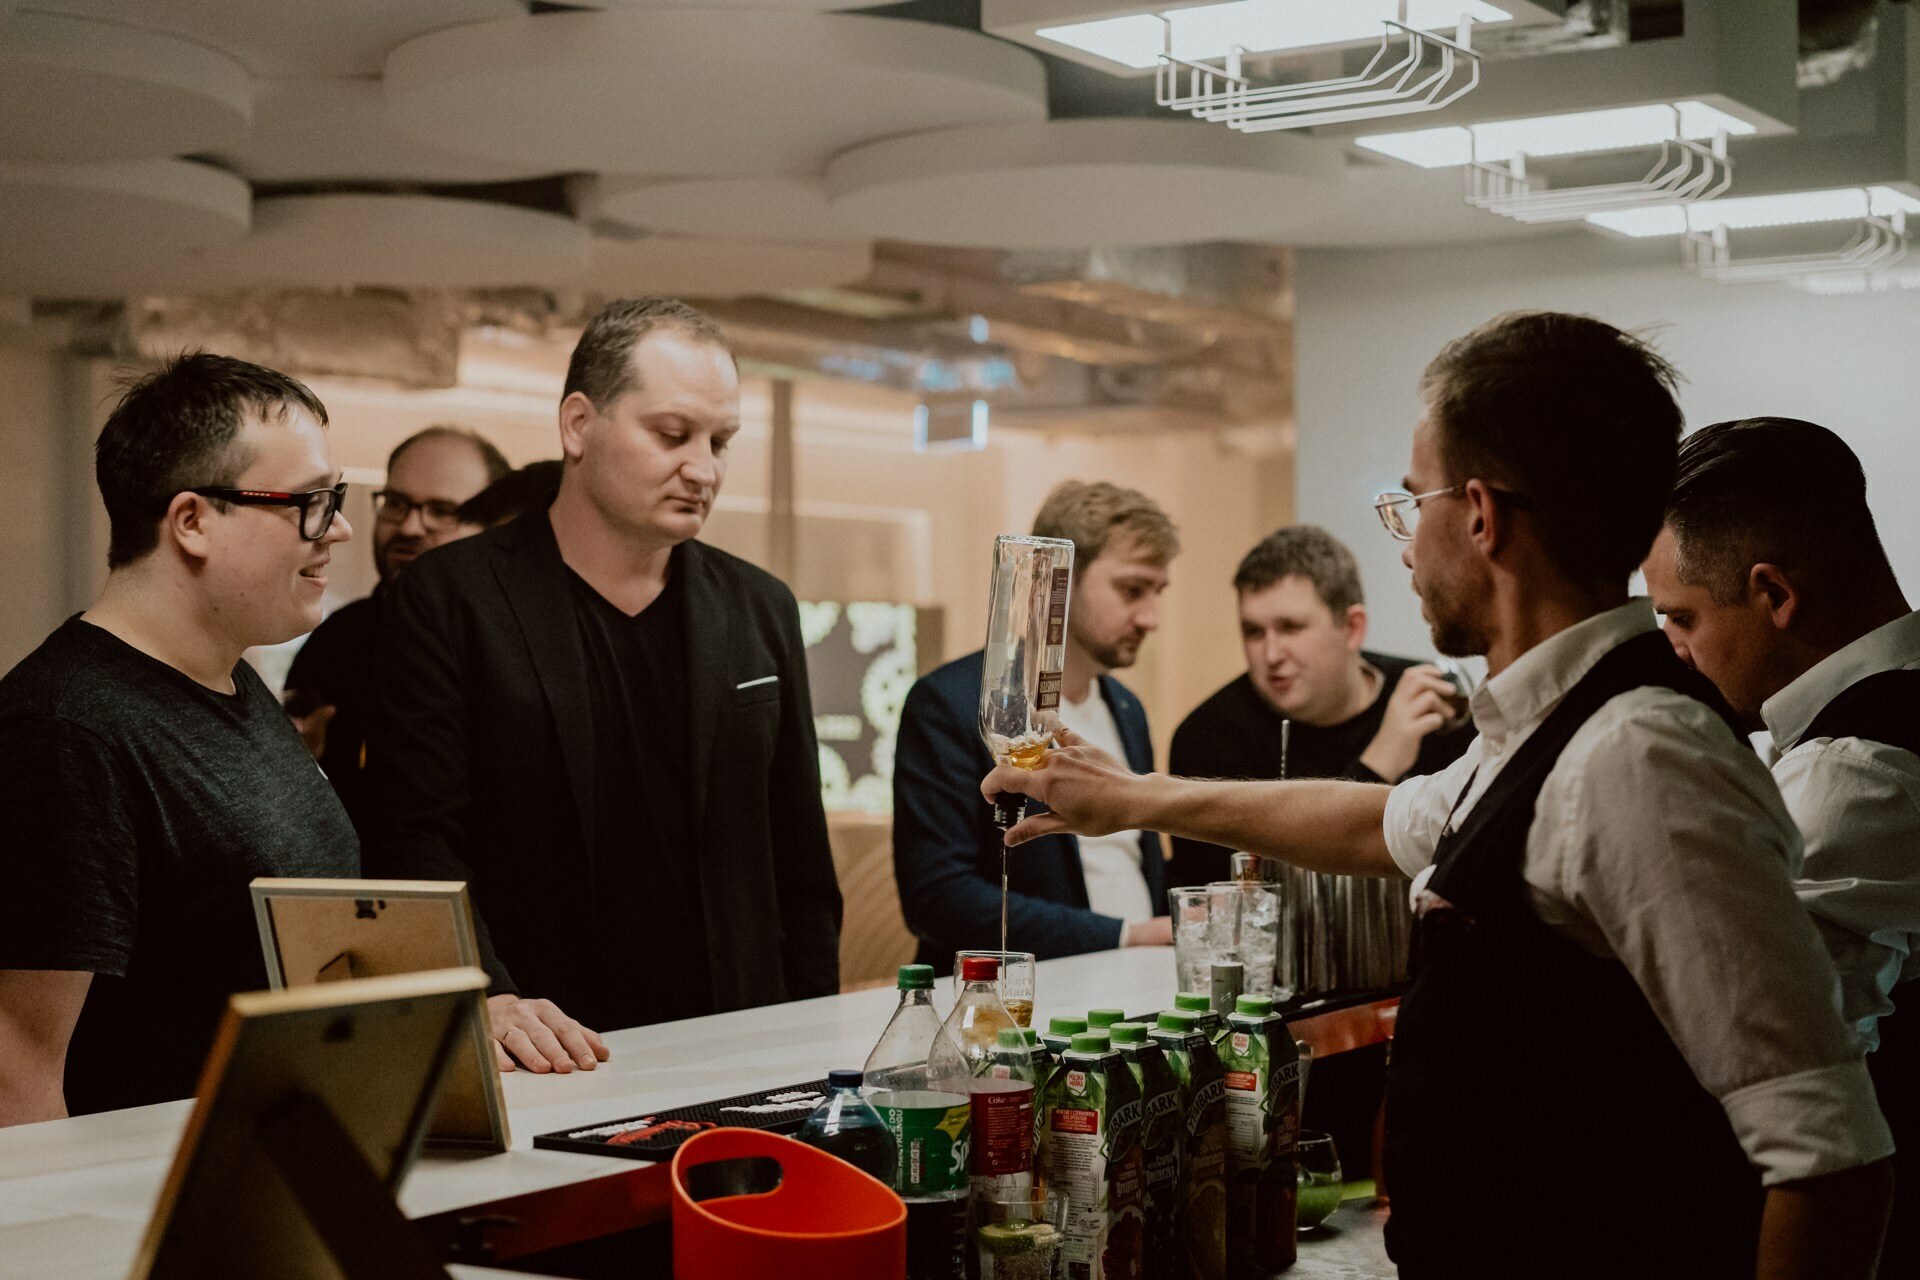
1885, 708
1540, 1120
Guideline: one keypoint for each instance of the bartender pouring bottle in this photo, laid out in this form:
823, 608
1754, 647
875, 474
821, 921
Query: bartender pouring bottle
1620, 1055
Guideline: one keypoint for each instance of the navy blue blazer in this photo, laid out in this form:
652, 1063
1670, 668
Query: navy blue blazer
946, 850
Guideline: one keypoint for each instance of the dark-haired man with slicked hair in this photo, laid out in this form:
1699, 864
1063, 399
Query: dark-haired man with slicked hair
146, 773
1611, 977
603, 724
1774, 586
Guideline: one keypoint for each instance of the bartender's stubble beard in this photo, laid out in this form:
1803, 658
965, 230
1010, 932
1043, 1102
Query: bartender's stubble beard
1451, 613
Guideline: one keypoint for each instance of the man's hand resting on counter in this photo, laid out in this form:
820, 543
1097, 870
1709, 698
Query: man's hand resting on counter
537, 1036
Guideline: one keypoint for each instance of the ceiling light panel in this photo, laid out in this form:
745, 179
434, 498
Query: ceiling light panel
1740, 213
1573, 133
1213, 31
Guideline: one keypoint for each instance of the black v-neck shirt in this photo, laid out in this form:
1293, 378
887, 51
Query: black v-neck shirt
138, 805
649, 924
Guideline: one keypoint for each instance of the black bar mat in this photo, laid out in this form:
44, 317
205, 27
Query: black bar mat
656, 1135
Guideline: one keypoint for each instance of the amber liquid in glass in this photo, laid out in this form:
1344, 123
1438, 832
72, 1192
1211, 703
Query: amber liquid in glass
1022, 1010
1021, 755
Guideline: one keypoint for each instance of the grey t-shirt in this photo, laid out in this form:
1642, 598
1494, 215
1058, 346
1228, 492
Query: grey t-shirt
137, 806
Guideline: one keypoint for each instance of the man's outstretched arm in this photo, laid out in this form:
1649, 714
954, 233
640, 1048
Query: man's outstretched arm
1320, 825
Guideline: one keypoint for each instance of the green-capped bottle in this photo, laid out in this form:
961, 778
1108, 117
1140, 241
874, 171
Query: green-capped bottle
1104, 1019
930, 1128
1090, 1152
1262, 1073
1162, 1145
1212, 1024
1060, 1033
1203, 1101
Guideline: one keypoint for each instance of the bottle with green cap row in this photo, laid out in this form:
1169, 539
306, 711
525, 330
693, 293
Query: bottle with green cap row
1162, 1127
1262, 1072
1060, 1033
1090, 1152
1203, 1218
1104, 1019
930, 1127
1213, 1025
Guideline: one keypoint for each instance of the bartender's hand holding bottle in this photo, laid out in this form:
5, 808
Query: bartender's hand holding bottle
1422, 702
1088, 792
540, 1038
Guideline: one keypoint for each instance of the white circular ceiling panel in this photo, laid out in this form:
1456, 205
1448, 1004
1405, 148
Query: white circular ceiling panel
794, 6
1082, 183
104, 229
402, 241
699, 267
790, 209
74, 91
336, 130
295, 37
701, 93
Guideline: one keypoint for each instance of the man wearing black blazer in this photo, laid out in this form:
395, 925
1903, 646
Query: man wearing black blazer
1065, 896
603, 725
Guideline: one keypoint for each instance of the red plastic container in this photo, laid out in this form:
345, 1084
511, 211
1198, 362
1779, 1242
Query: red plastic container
825, 1220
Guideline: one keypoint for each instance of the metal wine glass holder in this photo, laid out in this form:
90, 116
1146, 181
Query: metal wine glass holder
1428, 72
1684, 172
1879, 241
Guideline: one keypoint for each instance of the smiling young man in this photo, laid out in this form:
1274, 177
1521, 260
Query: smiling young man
1067, 896
1312, 703
1774, 585
1615, 993
603, 724
329, 687
146, 773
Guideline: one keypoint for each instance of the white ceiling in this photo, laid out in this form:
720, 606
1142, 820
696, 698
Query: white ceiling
701, 92
707, 267
789, 209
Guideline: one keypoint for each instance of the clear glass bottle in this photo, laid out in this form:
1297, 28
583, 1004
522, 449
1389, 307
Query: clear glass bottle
929, 1126
1026, 652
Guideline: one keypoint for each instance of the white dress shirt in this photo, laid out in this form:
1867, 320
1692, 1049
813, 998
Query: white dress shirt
1858, 807
1111, 864
1659, 840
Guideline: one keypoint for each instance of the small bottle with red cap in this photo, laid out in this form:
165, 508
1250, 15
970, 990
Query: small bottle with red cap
974, 1060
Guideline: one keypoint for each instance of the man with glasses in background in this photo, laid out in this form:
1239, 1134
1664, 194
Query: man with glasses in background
329, 688
146, 772
1615, 993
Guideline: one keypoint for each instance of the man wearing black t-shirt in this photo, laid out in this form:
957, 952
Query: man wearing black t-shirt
146, 773
1313, 703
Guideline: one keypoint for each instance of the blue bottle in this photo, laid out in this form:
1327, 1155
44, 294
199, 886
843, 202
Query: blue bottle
846, 1125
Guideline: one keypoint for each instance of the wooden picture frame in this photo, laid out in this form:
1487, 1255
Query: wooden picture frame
321, 931
312, 1106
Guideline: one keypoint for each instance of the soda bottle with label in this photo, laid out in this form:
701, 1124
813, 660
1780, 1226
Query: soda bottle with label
1003, 1125
930, 1128
1262, 1072
1203, 1100
1162, 1126
1090, 1152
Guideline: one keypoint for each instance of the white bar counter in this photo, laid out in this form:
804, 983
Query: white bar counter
75, 1194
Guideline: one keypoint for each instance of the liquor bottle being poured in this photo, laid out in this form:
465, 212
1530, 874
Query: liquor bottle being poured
1025, 655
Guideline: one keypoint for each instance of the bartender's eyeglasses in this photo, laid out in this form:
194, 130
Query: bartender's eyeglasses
1400, 511
317, 507
390, 506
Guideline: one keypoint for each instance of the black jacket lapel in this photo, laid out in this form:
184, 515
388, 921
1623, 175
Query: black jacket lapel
534, 579
710, 693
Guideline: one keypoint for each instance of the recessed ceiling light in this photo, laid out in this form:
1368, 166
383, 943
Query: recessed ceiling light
1212, 31
1843, 204
1575, 133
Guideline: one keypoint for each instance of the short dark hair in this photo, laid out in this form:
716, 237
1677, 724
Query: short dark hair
1305, 551
1771, 491
491, 458
601, 368
531, 488
1576, 417
178, 428
1089, 513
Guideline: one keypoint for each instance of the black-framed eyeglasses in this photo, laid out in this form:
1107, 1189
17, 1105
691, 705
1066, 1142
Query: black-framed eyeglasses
317, 507
437, 515
1399, 510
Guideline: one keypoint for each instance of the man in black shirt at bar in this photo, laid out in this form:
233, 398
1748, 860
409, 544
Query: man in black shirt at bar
146, 773
329, 687
603, 724
1312, 703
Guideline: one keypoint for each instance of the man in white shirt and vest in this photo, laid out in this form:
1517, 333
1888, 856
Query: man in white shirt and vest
1774, 585
1620, 1053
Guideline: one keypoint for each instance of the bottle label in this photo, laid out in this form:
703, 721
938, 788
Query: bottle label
930, 1134
1057, 606
1046, 695
1002, 1141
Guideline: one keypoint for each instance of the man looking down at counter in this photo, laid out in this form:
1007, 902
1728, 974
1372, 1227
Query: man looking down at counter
1065, 896
1614, 989
603, 725
146, 773
1311, 703
1774, 585
330, 684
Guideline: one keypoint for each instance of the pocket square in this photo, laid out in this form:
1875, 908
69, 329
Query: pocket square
749, 684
